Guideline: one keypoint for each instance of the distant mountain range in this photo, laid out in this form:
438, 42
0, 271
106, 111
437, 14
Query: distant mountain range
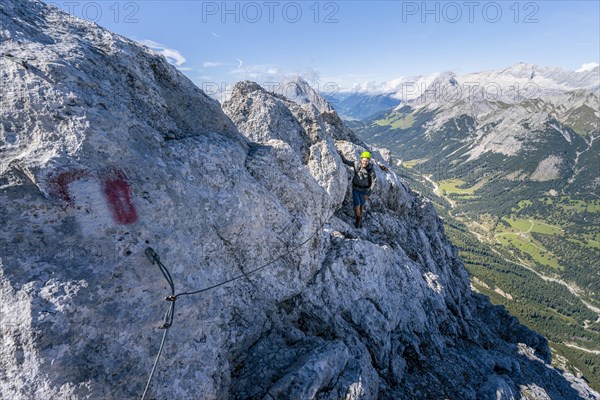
510, 85
525, 121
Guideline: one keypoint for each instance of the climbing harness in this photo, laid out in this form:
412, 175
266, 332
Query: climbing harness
168, 318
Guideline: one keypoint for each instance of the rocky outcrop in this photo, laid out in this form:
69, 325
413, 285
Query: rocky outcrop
299, 91
107, 150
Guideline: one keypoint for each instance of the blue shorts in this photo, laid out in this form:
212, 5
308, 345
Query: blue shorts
358, 197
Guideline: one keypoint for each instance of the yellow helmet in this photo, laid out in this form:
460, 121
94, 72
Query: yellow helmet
365, 154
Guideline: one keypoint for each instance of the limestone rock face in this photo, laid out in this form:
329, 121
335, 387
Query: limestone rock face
107, 150
299, 91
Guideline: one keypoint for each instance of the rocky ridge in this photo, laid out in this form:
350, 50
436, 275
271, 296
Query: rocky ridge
107, 149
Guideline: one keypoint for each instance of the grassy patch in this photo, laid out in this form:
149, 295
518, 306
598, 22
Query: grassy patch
518, 235
527, 245
520, 224
397, 121
522, 205
547, 201
411, 163
592, 244
450, 186
456, 196
453, 187
576, 205
566, 203
529, 225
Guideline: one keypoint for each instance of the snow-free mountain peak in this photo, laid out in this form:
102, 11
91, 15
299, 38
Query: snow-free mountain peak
299, 90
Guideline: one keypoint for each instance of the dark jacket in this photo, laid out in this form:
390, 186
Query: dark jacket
364, 178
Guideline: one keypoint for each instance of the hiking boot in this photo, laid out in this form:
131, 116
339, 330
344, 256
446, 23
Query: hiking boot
357, 222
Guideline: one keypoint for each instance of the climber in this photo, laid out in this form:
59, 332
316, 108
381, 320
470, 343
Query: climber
363, 183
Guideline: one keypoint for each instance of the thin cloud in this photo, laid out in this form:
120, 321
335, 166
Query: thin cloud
173, 56
212, 64
254, 72
262, 73
215, 34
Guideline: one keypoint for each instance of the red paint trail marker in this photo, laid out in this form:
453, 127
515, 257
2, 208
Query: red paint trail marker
59, 184
118, 195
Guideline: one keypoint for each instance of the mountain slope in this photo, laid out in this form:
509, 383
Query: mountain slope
110, 150
521, 174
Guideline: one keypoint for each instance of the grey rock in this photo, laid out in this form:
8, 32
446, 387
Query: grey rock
497, 388
107, 150
299, 91
311, 373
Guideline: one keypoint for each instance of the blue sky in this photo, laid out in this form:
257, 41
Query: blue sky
350, 42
